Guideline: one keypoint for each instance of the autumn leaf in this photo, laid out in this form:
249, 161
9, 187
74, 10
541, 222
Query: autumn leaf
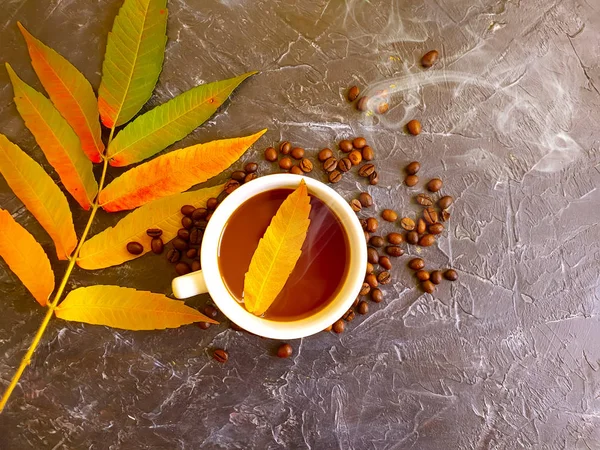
57, 140
126, 308
174, 172
108, 248
70, 92
39, 194
133, 60
278, 252
26, 258
168, 123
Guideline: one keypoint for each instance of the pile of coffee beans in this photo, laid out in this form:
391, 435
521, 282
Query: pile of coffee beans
291, 159
156, 243
428, 279
379, 100
353, 153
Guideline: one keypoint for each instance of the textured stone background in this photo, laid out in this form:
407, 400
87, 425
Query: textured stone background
505, 358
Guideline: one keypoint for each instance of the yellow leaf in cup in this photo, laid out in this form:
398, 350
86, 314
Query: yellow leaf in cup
278, 252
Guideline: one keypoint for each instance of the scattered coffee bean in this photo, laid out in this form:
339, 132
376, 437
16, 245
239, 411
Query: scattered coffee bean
325, 154
372, 224
306, 165
335, 176
365, 199
212, 203
416, 263
187, 210
251, 167
355, 157
154, 232
345, 146
377, 241
220, 355
173, 255
414, 127
372, 255
344, 165
363, 307
436, 276
367, 153
411, 180
249, 177
412, 237
355, 205
353, 93
394, 250
384, 278
338, 326
366, 170
422, 275
330, 164
271, 154
238, 175
204, 325
362, 104
211, 311
196, 265
445, 216
187, 222
395, 238
429, 58
370, 268
180, 244
285, 351
445, 202
377, 295
184, 234
363, 223
371, 279
135, 248
297, 153
430, 215
434, 185
389, 215
383, 107
373, 178
182, 268
421, 226
424, 200
285, 148
427, 240
407, 223
296, 170
196, 236
157, 245
355, 302
349, 316
366, 288
451, 275
285, 163
191, 253
436, 228
428, 286
359, 143
385, 262
413, 168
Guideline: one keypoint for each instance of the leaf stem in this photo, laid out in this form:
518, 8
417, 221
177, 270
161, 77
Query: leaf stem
54, 303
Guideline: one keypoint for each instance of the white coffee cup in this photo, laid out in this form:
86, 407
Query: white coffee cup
209, 279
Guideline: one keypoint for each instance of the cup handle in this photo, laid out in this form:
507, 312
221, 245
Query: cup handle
189, 285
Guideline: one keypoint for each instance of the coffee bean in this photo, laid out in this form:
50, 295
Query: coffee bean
344, 165
366, 170
414, 127
212, 203
371, 279
445, 202
238, 175
249, 177
251, 167
430, 215
355, 205
330, 164
413, 168
338, 326
451, 275
285, 351
196, 265
182, 268
394, 250
424, 200
434, 185
372, 224
271, 154
211, 311
362, 104
384, 278
296, 170
422, 275
297, 153
389, 215
416, 263
383, 107
421, 226
355, 302
436, 228
355, 157
173, 255
306, 165
180, 244
187, 210
365, 199
349, 316
353, 93
210, 214
428, 286
184, 234
222, 196
366, 288
363, 307
373, 178
196, 236
202, 224
345, 146
372, 255
429, 58
285, 148
285, 163
329, 328
436, 276
411, 180
359, 143
385, 262
367, 236
154, 232
325, 154
412, 237
204, 325
157, 245
220, 355
335, 176
367, 153
377, 241
445, 216
377, 295
395, 238
191, 253
363, 223
427, 240
187, 222
370, 268
407, 223
135, 248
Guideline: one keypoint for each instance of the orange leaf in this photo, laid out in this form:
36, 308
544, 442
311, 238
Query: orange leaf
57, 140
278, 252
174, 172
26, 258
70, 92
126, 308
40, 195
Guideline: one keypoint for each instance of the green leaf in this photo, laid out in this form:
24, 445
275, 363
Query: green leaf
170, 122
133, 60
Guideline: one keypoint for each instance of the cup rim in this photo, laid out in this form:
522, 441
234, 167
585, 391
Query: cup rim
295, 328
